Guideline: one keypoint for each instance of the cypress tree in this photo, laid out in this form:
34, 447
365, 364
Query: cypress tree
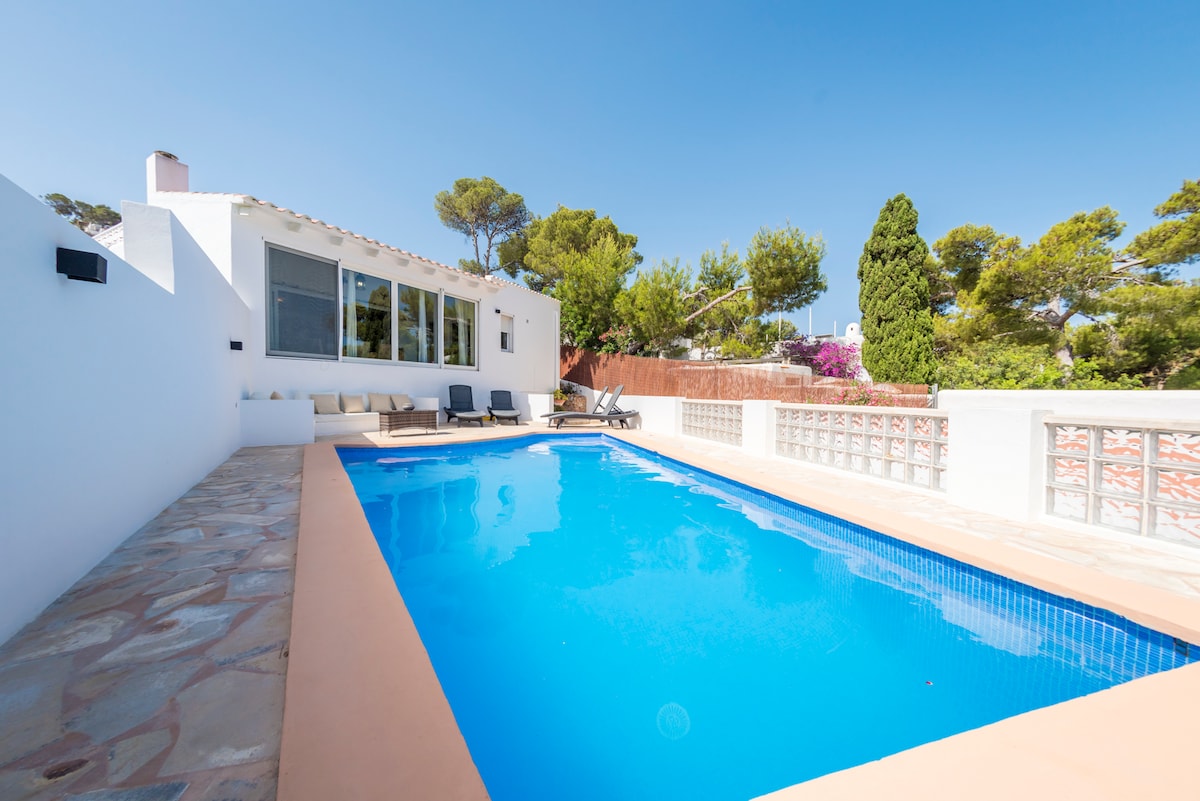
893, 296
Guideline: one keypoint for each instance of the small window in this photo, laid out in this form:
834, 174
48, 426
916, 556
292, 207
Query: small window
302, 305
506, 333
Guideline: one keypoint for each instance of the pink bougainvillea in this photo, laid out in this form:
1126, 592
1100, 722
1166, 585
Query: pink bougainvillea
830, 359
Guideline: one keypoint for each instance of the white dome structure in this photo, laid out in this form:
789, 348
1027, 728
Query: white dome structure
853, 334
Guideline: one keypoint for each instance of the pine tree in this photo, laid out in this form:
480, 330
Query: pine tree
894, 298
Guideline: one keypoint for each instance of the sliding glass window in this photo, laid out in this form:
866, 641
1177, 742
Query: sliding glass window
301, 305
458, 331
366, 316
416, 318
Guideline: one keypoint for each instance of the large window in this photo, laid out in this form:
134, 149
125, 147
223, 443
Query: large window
366, 316
302, 305
378, 319
458, 331
416, 318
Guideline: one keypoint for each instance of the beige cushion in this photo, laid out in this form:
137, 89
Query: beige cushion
380, 402
352, 403
276, 396
326, 404
403, 402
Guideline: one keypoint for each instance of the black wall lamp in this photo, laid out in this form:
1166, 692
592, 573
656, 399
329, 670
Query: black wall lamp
82, 266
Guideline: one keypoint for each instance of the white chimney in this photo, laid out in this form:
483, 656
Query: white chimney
165, 173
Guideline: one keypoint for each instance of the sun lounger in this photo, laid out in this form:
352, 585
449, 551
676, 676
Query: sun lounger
501, 408
610, 413
599, 407
462, 406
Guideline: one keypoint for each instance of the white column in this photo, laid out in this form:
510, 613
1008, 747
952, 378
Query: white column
758, 427
997, 461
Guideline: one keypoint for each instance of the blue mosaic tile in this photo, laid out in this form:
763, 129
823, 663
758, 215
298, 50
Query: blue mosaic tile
1099, 640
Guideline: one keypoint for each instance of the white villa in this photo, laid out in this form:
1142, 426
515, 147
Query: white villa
213, 304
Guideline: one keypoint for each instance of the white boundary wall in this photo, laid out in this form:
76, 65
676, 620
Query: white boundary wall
117, 398
997, 438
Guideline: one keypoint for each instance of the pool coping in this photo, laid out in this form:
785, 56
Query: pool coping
364, 715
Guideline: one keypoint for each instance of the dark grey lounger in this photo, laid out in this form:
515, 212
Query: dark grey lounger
501, 408
610, 413
462, 406
615, 417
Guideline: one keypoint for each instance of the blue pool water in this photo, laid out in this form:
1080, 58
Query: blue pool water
608, 624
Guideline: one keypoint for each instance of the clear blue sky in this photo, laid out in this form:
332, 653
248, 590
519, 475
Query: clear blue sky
688, 123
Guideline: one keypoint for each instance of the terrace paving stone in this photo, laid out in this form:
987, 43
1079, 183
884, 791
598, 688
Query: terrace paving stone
165, 603
255, 781
183, 581
196, 559
131, 754
227, 720
137, 696
177, 535
259, 642
172, 791
277, 553
248, 519
73, 636
179, 631
259, 583
230, 531
30, 705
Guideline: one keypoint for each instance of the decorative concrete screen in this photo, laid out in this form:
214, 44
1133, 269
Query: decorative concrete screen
1133, 476
910, 447
720, 421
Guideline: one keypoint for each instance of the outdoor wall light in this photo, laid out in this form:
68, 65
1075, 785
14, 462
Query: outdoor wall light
82, 265
497, 311
235, 344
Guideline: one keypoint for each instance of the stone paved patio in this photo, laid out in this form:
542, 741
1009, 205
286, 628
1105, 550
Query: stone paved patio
160, 675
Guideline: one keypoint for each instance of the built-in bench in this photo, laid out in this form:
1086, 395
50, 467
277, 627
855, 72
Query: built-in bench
276, 420
358, 412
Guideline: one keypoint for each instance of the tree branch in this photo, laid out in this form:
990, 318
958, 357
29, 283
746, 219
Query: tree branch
715, 302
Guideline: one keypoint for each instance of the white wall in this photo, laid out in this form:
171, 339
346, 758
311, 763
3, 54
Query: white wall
661, 415
117, 398
1178, 405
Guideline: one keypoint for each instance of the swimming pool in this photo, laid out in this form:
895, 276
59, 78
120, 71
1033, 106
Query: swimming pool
609, 624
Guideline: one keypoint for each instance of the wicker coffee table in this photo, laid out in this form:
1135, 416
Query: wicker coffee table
390, 421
